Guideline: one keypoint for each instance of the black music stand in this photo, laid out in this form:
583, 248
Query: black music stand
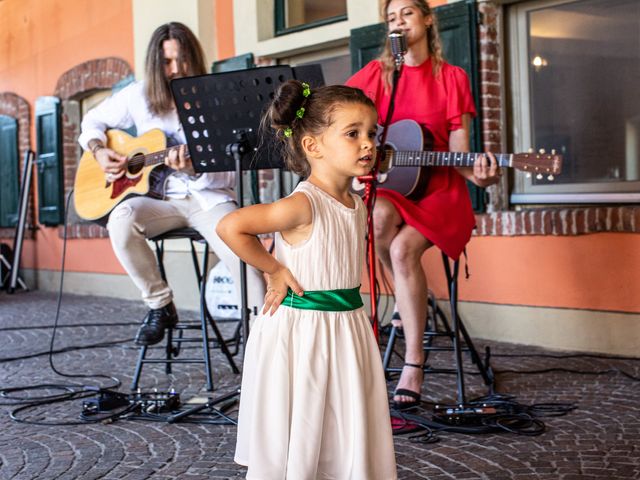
12, 278
220, 114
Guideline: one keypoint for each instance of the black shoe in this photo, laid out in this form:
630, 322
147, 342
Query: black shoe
152, 329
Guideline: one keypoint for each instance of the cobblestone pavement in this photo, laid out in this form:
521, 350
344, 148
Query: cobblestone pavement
598, 440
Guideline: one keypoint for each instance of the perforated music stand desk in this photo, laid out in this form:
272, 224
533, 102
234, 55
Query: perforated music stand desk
215, 109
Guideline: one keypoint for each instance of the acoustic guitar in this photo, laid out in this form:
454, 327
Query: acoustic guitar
408, 146
96, 195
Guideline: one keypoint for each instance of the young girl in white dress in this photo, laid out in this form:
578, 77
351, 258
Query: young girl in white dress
313, 402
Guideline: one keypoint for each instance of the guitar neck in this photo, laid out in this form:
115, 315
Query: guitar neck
443, 159
153, 158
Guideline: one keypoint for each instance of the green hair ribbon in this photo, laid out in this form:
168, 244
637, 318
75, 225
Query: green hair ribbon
306, 91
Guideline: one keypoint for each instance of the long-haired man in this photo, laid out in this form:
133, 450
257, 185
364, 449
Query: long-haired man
189, 200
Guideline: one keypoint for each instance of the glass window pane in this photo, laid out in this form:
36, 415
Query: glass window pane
301, 12
584, 72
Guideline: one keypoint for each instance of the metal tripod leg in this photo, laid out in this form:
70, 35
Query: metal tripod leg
5, 280
459, 329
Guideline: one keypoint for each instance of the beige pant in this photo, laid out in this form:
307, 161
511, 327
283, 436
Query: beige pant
139, 218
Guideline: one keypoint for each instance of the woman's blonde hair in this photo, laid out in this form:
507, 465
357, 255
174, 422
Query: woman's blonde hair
433, 41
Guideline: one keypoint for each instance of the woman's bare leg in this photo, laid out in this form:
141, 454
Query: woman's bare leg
410, 286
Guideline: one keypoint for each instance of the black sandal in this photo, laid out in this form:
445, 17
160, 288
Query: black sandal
402, 406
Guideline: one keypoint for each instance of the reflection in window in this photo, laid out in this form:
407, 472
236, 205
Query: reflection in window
583, 72
302, 12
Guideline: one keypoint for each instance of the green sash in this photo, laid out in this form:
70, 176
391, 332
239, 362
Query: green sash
325, 300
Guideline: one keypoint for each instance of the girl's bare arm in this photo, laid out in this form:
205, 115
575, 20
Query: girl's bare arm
239, 231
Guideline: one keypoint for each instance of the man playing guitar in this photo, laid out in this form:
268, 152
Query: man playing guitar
182, 198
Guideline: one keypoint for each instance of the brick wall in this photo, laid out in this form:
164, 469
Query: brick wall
490, 91
13, 105
94, 74
491, 104
72, 86
560, 221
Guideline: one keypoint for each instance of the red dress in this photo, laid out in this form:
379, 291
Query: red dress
444, 214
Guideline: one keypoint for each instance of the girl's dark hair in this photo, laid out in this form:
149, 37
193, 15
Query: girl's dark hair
319, 108
191, 59
433, 41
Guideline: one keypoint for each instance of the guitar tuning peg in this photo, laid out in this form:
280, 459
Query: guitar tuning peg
541, 151
553, 151
530, 150
528, 175
550, 177
539, 176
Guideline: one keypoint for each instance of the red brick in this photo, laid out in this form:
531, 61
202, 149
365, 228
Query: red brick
627, 218
491, 76
580, 221
614, 215
489, 225
491, 65
492, 89
489, 49
519, 223
546, 223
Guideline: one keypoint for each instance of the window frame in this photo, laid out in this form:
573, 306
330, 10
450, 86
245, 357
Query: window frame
524, 192
280, 20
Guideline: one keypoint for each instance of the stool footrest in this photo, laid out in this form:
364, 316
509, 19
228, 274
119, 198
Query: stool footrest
172, 360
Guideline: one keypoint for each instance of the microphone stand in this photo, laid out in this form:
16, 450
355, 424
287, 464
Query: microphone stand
370, 191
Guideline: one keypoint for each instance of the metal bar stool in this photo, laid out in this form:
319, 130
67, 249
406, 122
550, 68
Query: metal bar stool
173, 343
438, 326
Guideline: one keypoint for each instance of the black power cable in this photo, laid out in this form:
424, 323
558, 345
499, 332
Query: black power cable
495, 413
71, 391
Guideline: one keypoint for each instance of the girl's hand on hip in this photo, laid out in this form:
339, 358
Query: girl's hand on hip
278, 285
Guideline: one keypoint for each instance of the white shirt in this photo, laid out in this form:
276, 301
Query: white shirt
128, 108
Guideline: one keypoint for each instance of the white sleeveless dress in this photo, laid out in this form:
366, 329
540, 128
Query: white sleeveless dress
313, 403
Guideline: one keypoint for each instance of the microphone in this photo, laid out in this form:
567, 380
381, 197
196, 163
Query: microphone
398, 44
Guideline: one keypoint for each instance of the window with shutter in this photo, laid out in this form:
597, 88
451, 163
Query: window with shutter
49, 161
9, 175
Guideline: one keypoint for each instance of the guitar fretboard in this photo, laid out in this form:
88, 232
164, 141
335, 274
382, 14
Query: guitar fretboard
152, 158
408, 158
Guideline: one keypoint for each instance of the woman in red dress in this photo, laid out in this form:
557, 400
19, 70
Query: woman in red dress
437, 96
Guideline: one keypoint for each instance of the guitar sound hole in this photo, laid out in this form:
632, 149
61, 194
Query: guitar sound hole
136, 163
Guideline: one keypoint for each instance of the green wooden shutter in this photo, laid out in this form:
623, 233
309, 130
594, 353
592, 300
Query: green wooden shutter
50, 161
365, 44
9, 175
458, 30
241, 62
